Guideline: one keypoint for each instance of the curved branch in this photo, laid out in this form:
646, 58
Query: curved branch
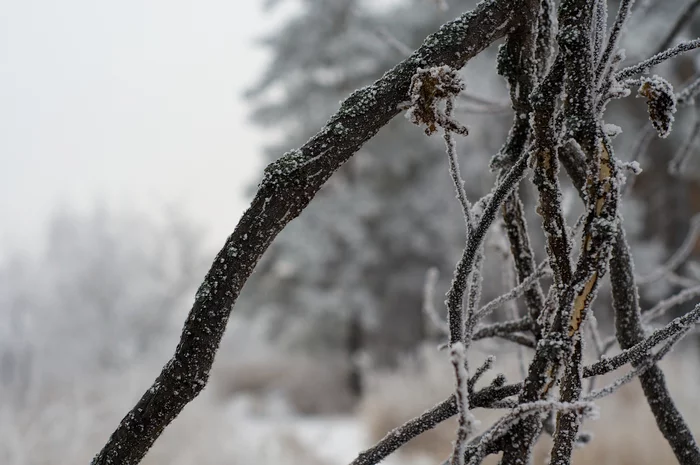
287, 188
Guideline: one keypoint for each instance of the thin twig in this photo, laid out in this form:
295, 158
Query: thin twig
665, 305
639, 350
659, 58
678, 257
541, 272
684, 18
615, 33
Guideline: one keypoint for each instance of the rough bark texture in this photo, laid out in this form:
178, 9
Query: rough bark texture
287, 188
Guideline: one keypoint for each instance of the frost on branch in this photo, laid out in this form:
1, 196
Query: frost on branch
430, 89
661, 102
466, 420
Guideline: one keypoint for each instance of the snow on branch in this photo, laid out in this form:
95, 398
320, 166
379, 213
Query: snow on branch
688, 94
502, 329
522, 411
465, 418
623, 12
465, 266
640, 350
657, 59
665, 305
639, 369
429, 309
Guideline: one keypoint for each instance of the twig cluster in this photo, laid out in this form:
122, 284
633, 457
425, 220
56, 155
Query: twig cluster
547, 53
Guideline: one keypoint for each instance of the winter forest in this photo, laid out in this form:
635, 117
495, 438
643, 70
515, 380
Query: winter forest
474, 238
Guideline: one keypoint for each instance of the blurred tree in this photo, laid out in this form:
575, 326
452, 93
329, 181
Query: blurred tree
99, 297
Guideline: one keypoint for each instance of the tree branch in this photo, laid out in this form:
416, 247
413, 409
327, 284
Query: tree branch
287, 188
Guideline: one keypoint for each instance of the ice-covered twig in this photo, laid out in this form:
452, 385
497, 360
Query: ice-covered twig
502, 328
474, 98
541, 271
629, 330
522, 59
677, 165
467, 261
657, 59
429, 309
684, 17
522, 411
639, 151
485, 110
639, 351
613, 39
519, 339
600, 26
486, 366
598, 344
544, 46
546, 172
688, 94
678, 257
665, 305
681, 281
457, 179
638, 370
512, 307
465, 418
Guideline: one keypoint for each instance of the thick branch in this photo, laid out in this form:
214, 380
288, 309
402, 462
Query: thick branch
287, 188
630, 331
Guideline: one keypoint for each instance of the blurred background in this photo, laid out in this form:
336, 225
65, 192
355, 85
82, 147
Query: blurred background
132, 136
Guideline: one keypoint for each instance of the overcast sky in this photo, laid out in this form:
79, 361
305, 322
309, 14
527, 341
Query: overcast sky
134, 103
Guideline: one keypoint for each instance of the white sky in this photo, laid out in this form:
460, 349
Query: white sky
135, 103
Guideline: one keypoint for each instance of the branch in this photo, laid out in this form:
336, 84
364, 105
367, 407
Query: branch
503, 328
429, 420
683, 19
287, 188
640, 350
464, 267
662, 307
657, 59
639, 370
678, 256
516, 292
620, 20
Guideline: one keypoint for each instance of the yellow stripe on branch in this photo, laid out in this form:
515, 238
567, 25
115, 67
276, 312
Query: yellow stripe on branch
581, 301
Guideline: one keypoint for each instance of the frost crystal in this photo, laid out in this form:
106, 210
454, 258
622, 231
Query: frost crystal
612, 130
